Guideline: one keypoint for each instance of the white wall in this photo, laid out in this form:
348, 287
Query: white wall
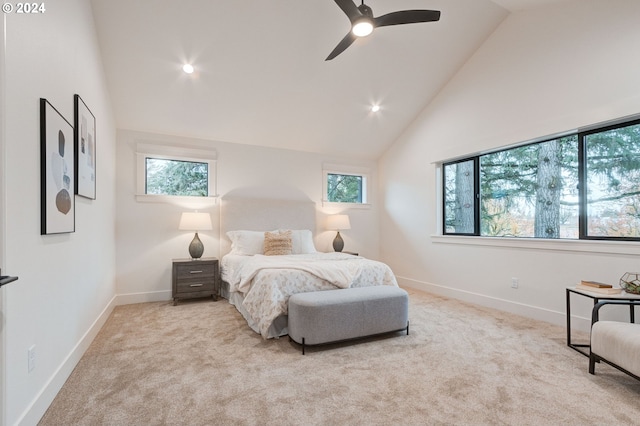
541, 72
147, 233
67, 282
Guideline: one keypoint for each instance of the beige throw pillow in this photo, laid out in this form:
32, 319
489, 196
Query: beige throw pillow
277, 244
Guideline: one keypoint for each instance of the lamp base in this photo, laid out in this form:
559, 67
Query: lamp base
338, 242
196, 248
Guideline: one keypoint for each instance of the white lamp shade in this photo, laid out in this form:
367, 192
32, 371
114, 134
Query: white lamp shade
195, 222
338, 222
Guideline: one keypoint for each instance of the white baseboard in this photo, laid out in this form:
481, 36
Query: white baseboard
152, 296
38, 407
529, 311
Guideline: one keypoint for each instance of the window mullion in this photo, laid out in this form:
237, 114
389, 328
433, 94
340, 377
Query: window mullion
476, 195
582, 187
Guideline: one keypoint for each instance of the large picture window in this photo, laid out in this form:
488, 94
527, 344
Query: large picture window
459, 195
612, 182
582, 185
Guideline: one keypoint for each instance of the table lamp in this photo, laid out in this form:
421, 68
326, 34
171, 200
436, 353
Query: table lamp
195, 222
338, 222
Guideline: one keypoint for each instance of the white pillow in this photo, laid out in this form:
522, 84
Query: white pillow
246, 243
301, 241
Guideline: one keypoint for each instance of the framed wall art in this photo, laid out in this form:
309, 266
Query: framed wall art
85, 149
57, 172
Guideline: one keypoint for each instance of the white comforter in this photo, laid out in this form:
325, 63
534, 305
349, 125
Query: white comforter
267, 281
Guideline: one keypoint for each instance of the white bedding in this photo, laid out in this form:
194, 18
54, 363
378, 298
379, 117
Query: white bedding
266, 282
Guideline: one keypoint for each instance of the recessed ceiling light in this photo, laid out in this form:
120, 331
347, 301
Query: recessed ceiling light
375, 108
188, 68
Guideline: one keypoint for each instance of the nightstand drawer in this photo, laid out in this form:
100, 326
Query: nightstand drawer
195, 271
192, 285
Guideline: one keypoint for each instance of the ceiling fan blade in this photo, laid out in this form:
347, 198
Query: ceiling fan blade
341, 47
349, 8
406, 17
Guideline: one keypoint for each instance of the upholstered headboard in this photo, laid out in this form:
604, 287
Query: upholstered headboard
255, 214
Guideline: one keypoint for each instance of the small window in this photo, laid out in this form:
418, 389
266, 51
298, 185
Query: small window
176, 177
172, 171
345, 187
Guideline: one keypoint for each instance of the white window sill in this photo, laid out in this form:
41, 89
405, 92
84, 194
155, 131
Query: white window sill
199, 202
346, 205
590, 246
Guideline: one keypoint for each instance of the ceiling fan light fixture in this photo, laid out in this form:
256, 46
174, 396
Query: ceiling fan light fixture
362, 27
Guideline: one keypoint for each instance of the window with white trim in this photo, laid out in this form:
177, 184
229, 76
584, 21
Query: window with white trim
345, 186
172, 171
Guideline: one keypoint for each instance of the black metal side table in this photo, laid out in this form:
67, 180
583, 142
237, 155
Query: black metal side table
596, 298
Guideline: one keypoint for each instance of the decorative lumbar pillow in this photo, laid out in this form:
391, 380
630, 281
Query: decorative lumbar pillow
277, 243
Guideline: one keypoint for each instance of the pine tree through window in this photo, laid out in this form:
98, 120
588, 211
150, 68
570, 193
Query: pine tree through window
584, 185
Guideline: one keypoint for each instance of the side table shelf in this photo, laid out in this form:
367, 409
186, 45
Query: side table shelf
585, 348
193, 278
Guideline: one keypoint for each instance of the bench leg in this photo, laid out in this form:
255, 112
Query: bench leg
407, 328
592, 363
303, 346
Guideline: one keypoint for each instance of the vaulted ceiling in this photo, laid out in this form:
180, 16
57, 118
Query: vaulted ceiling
260, 72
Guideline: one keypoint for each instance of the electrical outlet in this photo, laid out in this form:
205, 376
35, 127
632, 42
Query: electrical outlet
514, 282
31, 358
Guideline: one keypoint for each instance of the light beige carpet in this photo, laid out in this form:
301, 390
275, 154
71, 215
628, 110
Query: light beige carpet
199, 364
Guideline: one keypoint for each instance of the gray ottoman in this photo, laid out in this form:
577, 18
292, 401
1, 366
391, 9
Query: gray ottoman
336, 315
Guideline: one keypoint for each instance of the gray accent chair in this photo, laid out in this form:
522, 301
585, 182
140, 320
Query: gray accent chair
615, 343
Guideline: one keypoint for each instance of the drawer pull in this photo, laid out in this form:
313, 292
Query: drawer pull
195, 272
196, 285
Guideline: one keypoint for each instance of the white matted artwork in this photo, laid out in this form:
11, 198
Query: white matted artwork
85, 149
57, 172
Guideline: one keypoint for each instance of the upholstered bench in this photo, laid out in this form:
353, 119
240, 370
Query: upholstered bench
336, 315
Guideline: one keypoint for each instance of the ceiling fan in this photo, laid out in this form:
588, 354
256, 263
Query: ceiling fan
363, 22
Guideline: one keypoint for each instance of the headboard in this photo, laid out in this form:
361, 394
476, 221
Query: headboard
255, 214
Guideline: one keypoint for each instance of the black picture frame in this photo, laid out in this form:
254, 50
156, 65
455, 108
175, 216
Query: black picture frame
85, 149
57, 172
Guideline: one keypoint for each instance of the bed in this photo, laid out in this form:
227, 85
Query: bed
259, 283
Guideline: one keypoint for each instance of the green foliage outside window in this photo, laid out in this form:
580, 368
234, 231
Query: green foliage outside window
344, 188
549, 190
531, 191
174, 177
613, 182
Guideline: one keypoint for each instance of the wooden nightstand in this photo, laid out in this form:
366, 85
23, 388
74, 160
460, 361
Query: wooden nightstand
194, 278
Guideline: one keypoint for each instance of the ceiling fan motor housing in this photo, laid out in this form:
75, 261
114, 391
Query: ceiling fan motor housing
366, 10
